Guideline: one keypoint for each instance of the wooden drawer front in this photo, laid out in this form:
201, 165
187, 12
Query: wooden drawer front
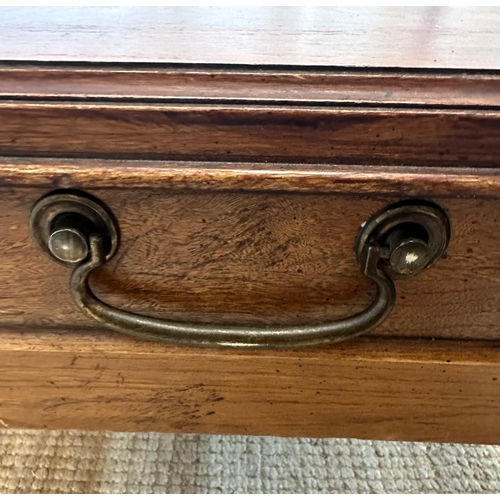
257, 255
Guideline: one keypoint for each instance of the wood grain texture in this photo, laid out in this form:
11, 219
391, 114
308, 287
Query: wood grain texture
250, 256
237, 85
433, 37
410, 390
468, 138
271, 171
53, 173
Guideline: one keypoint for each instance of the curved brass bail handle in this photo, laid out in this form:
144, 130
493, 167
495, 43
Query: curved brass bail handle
196, 334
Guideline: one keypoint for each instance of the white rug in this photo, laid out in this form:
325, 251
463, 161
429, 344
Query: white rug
92, 462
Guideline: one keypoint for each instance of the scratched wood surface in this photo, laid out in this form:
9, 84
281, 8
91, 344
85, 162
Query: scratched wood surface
407, 390
426, 37
263, 255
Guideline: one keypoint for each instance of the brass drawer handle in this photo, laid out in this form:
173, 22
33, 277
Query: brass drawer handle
400, 241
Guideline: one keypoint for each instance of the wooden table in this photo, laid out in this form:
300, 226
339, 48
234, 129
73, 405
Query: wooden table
240, 152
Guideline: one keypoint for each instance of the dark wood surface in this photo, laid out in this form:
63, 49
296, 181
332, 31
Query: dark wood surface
424, 37
272, 133
407, 390
352, 117
261, 249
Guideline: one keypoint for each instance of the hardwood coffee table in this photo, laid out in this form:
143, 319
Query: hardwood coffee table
252, 221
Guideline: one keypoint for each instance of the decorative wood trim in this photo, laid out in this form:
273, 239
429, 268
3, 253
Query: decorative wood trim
266, 134
53, 173
198, 84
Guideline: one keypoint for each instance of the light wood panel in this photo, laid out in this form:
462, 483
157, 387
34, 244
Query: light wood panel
425, 37
411, 390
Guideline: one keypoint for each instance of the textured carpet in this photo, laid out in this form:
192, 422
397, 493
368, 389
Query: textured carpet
91, 462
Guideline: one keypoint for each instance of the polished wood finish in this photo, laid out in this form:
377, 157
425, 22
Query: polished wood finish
252, 247
468, 138
246, 86
434, 37
51, 173
240, 175
254, 115
410, 390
